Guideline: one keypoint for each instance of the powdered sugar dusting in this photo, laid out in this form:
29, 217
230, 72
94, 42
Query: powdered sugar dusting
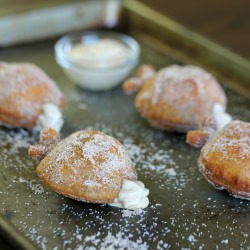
36, 188
172, 221
15, 139
178, 97
235, 136
133, 212
114, 157
181, 74
17, 81
117, 241
92, 159
185, 211
91, 183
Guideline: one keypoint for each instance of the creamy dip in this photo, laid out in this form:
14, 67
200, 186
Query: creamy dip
221, 116
133, 195
103, 53
50, 118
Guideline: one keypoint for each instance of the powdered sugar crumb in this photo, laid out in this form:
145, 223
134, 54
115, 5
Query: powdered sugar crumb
132, 212
15, 140
192, 238
35, 187
110, 241
224, 242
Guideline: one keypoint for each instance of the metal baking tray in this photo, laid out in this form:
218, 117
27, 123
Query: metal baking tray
185, 211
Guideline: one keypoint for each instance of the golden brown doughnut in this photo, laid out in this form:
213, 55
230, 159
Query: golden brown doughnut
24, 89
132, 85
207, 129
48, 139
176, 98
225, 159
88, 165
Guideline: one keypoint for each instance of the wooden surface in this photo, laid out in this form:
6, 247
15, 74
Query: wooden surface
225, 21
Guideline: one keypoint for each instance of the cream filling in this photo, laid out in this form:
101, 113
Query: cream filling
50, 118
100, 54
221, 116
133, 195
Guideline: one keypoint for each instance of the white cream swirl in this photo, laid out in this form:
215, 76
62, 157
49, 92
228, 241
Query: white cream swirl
50, 118
133, 195
221, 116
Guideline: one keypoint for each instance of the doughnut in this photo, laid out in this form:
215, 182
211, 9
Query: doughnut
225, 159
89, 166
176, 98
24, 90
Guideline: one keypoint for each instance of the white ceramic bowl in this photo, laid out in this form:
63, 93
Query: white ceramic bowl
91, 77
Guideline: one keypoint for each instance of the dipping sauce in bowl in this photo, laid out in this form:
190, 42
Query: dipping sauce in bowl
97, 60
103, 53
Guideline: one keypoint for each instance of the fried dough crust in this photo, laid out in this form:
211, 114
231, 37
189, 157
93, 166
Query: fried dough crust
25, 89
225, 159
88, 166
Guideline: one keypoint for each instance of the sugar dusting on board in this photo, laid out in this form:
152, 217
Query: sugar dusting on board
181, 215
14, 140
78, 223
117, 241
35, 187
